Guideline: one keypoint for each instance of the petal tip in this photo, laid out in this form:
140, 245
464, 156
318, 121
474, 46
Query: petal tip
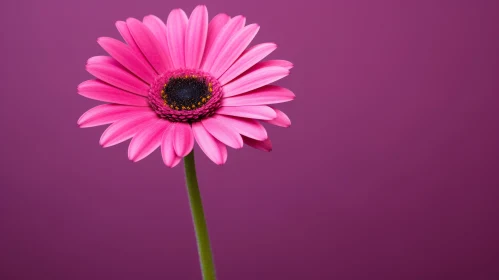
220, 163
119, 23
201, 6
103, 142
132, 20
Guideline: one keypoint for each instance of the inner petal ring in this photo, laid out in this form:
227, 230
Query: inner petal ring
185, 95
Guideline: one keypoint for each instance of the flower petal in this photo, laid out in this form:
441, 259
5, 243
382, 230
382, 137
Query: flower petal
183, 140
167, 151
158, 28
104, 59
117, 76
214, 149
108, 113
276, 62
268, 94
195, 37
126, 128
233, 49
254, 79
261, 112
149, 45
225, 134
95, 89
175, 32
233, 25
264, 145
147, 140
249, 58
127, 36
128, 58
281, 119
247, 127
216, 24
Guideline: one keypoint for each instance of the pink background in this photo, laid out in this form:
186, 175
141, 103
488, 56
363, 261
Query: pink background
389, 171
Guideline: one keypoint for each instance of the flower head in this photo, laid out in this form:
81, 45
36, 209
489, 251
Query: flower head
185, 81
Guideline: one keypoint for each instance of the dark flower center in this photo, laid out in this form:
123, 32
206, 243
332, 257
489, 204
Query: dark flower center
186, 93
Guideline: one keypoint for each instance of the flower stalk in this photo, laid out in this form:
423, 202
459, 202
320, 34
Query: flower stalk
202, 238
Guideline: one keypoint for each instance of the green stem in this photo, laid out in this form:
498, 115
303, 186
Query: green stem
203, 240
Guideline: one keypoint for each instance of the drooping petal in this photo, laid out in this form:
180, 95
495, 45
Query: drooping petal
147, 140
260, 112
195, 37
183, 140
117, 76
247, 127
108, 113
216, 24
254, 79
149, 45
264, 145
233, 25
281, 119
222, 132
233, 49
167, 151
214, 149
158, 28
276, 62
127, 36
95, 89
126, 128
249, 58
128, 58
268, 94
176, 25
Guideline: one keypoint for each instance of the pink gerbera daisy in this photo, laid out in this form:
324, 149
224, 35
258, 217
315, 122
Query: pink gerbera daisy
185, 81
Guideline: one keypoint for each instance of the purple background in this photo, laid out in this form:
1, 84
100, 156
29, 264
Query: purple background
389, 171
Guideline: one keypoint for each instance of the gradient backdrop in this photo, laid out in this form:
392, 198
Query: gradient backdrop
389, 171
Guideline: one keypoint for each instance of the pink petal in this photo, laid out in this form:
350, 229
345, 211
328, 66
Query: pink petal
158, 28
214, 27
225, 134
261, 112
117, 76
247, 127
104, 59
149, 45
147, 140
175, 32
167, 151
233, 25
128, 58
254, 79
108, 113
268, 94
126, 128
281, 119
214, 149
281, 63
233, 49
249, 58
127, 36
95, 89
195, 37
183, 140
264, 145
